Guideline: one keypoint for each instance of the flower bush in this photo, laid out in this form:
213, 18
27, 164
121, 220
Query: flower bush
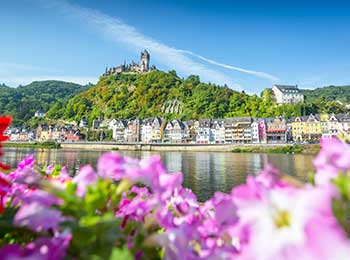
135, 209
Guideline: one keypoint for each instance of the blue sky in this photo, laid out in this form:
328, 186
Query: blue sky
249, 45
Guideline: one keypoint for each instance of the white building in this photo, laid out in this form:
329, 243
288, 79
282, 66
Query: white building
205, 133
175, 132
39, 113
330, 125
146, 130
255, 131
119, 131
285, 94
218, 131
344, 123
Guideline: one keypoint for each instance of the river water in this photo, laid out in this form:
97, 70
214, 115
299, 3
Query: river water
204, 172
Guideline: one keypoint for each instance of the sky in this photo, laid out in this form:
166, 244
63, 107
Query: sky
248, 45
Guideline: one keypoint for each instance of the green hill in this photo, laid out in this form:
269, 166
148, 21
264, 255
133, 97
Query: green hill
330, 93
23, 101
159, 93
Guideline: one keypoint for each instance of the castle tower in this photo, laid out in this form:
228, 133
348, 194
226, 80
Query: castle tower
144, 62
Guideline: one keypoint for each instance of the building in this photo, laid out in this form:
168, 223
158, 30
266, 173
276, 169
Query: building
146, 130
205, 134
218, 131
73, 134
134, 127
83, 122
238, 130
118, 131
43, 133
285, 94
175, 131
157, 131
276, 129
141, 67
329, 125
39, 113
313, 130
258, 127
344, 125
192, 127
307, 128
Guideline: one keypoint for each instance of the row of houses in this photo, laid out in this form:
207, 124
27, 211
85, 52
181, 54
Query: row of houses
230, 130
44, 133
204, 131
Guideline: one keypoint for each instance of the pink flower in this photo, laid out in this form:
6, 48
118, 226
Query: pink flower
37, 217
36, 212
40, 249
280, 222
332, 159
27, 162
138, 207
85, 177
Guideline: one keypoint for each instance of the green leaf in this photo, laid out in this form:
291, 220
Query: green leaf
121, 254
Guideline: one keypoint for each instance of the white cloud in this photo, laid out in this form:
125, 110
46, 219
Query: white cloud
127, 35
259, 74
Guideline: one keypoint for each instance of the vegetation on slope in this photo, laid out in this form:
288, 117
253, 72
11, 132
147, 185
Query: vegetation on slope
130, 95
143, 95
330, 93
22, 102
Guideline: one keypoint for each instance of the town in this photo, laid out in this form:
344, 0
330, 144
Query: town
239, 130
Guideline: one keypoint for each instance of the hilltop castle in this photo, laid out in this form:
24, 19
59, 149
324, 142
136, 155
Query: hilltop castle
142, 67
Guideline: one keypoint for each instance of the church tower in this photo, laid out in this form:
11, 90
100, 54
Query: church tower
144, 62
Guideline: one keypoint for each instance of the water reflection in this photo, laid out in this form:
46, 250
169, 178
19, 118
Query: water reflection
204, 172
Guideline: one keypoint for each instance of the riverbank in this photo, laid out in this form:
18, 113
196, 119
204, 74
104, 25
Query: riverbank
112, 146
43, 145
286, 149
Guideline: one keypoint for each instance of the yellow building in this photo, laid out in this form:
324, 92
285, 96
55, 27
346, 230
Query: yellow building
298, 125
306, 128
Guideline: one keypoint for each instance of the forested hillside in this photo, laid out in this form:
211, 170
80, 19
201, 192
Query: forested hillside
330, 93
144, 95
23, 101
130, 95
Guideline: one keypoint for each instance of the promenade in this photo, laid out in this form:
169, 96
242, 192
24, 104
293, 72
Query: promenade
161, 147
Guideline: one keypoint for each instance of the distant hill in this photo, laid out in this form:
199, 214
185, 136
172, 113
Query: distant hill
330, 93
23, 101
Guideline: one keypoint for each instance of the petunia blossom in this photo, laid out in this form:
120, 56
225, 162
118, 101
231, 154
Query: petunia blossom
40, 249
85, 177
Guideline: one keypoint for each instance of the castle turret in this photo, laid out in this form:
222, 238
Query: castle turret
144, 62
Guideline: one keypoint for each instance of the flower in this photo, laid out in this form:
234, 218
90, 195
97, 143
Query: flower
40, 249
4, 188
137, 207
85, 177
27, 162
332, 159
37, 217
35, 211
280, 221
4, 124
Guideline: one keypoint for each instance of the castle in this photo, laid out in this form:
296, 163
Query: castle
142, 67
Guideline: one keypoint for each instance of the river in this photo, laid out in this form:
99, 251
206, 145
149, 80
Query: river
204, 172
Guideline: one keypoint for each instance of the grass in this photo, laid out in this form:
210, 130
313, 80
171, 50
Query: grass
46, 145
287, 149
